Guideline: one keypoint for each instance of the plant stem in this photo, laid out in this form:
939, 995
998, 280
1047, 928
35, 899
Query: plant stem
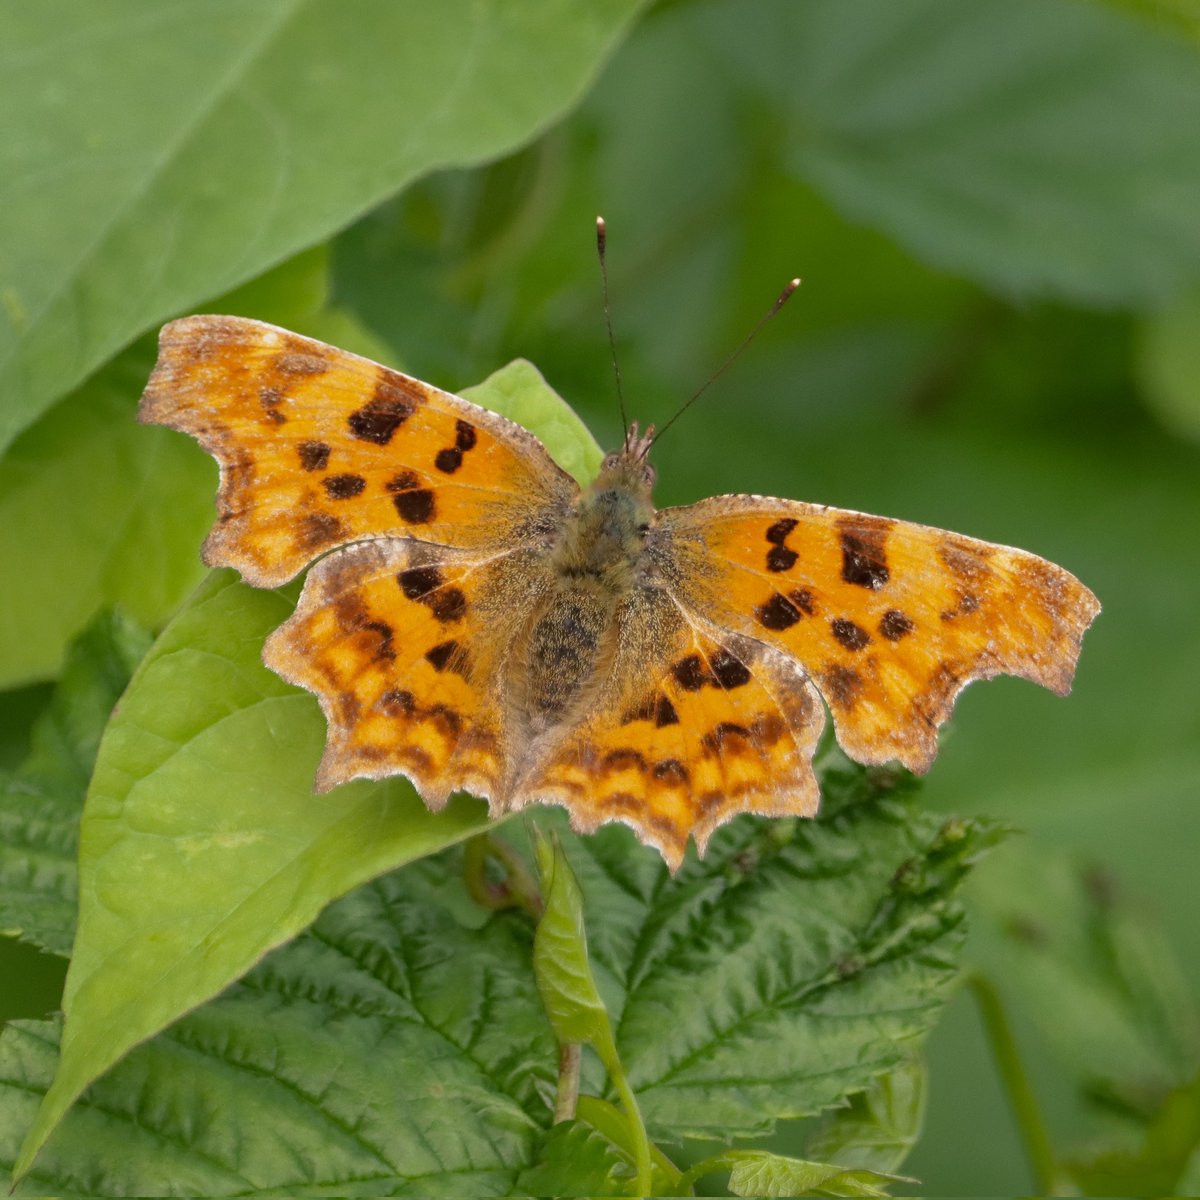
567, 1097
1050, 1180
637, 1129
519, 889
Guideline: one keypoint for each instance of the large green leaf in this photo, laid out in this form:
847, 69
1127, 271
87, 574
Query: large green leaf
389, 1043
99, 511
156, 156
577, 1160
389, 1051
984, 136
130, 535
202, 843
796, 963
40, 804
207, 773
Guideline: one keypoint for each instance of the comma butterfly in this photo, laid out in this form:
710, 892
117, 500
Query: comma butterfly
479, 622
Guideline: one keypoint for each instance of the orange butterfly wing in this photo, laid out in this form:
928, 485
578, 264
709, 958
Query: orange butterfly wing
318, 447
404, 645
402, 634
693, 726
890, 619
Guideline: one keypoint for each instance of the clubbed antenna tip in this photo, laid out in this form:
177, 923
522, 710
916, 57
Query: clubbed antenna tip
601, 242
783, 298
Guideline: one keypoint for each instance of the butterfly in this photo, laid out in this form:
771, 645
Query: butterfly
476, 621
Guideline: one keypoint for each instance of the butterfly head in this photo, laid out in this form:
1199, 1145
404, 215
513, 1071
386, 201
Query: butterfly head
630, 466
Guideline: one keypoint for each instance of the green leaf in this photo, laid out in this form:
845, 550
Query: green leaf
982, 137
132, 194
758, 1173
577, 1160
879, 1125
388, 1051
608, 1120
40, 804
560, 960
798, 961
518, 391
130, 536
205, 774
568, 990
390, 1039
761, 1173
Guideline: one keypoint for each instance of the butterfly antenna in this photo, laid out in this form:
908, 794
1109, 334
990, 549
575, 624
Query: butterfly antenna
784, 297
601, 241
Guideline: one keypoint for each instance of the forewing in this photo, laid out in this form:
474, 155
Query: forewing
318, 447
403, 644
889, 619
691, 727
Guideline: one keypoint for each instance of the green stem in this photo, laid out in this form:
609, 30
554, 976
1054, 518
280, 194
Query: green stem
637, 1128
611, 1122
519, 889
567, 1098
1050, 1180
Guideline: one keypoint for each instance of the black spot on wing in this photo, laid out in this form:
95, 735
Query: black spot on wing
894, 625
728, 671
419, 581
447, 604
414, 503
690, 674
850, 635
343, 487
440, 656
841, 685
378, 419
314, 456
318, 530
864, 556
777, 613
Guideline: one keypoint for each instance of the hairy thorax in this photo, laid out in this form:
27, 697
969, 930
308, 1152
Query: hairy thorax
592, 569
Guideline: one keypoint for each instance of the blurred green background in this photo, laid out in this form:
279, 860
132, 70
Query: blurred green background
995, 209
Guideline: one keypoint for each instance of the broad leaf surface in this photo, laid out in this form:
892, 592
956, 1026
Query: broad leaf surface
327, 1046
577, 1160
519, 391
983, 136
178, 150
795, 963
130, 536
41, 802
206, 774
389, 1051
